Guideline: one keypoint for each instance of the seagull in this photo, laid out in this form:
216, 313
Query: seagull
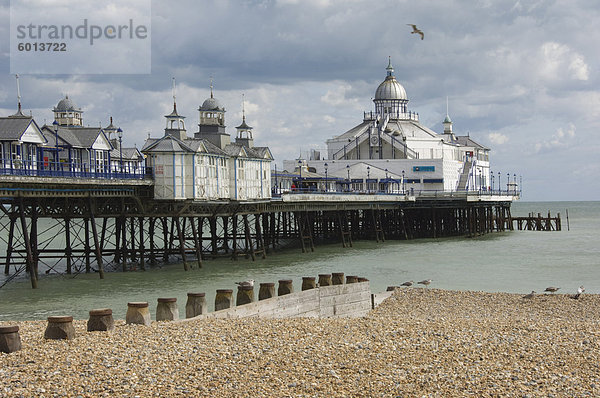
530, 295
416, 30
407, 284
551, 289
248, 283
425, 282
579, 291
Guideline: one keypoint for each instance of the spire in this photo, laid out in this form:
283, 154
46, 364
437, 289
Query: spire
243, 110
174, 99
390, 68
19, 111
18, 94
447, 119
211, 87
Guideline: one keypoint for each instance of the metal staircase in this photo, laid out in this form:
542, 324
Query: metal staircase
464, 177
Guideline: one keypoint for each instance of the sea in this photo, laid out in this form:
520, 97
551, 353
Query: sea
512, 261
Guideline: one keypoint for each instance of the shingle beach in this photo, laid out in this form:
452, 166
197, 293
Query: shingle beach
419, 342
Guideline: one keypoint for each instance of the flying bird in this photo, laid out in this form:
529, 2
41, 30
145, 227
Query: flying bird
248, 283
407, 284
425, 282
530, 295
417, 31
551, 289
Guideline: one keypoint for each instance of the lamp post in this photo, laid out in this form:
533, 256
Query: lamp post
276, 185
368, 176
55, 124
120, 133
348, 170
386, 180
499, 186
492, 175
507, 182
300, 175
325, 165
403, 184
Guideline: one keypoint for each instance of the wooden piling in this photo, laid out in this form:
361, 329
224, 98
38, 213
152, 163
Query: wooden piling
266, 291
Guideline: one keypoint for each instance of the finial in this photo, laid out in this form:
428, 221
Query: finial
243, 110
111, 120
174, 97
390, 68
18, 94
211, 87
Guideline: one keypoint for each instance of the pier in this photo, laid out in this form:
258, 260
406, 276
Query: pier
538, 223
72, 226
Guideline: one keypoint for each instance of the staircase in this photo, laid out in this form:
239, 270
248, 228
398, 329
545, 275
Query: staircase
464, 177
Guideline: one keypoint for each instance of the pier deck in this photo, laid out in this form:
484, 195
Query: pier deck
55, 227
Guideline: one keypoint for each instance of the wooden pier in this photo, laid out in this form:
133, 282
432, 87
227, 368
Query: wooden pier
538, 223
94, 228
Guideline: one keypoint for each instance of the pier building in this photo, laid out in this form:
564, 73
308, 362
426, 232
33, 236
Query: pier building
208, 166
391, 148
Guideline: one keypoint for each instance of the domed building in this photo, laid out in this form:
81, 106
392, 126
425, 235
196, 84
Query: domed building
208, 166
391, 150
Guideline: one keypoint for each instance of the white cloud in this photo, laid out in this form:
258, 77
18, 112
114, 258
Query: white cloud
561, 139
559, 61
497, 138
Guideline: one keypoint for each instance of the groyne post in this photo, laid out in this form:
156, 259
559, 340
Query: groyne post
245, 295
10, 340
166, 309
266, 291
101, 320
223, 299
60, 328
285, 287
138, 313
196, 305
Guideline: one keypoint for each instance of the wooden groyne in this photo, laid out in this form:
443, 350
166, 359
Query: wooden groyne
534, 222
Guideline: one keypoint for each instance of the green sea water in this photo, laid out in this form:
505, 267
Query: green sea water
517, 261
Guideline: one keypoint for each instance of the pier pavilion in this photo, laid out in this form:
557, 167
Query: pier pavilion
392, 139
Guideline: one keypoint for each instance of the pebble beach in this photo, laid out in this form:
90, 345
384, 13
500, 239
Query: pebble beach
419, 342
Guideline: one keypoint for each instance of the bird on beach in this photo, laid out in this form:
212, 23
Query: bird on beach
248, 283
407, 284
416, 30
551, 289
530, 295
579, 291
425, 282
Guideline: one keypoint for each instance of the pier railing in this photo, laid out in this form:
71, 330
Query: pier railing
403, 192
83, 170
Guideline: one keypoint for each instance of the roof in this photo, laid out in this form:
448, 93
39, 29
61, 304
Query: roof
168, 143
465, 140
128, 154
11, 128
66, 105
79, 137
212, 104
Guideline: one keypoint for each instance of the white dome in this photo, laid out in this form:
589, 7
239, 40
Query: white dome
390, 89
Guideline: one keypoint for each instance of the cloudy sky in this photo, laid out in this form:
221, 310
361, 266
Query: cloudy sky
521, 76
